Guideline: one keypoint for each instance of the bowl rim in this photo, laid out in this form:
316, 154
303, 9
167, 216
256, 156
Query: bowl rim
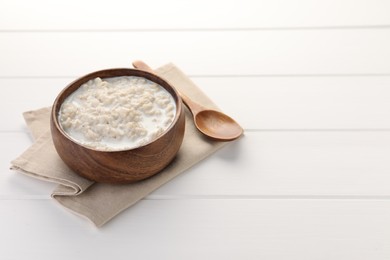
76, 83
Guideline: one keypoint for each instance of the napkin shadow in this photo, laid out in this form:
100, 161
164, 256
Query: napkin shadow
231, 152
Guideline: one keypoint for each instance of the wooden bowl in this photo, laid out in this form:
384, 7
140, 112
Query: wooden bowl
124, 166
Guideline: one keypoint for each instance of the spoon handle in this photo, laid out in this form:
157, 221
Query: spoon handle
139, 64
193, 106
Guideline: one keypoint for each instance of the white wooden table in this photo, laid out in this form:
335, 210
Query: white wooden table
308, 80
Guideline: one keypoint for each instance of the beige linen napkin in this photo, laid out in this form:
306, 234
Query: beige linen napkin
101, 202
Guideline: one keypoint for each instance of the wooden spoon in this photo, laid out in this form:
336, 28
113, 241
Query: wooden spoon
212, 123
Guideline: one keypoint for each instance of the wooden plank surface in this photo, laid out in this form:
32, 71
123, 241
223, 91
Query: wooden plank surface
308, 80
203, 229
201, 14
223, 53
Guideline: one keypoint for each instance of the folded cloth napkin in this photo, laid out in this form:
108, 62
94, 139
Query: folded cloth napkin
101, 202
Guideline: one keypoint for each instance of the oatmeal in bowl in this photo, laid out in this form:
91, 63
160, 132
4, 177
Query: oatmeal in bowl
117, 113
118, 125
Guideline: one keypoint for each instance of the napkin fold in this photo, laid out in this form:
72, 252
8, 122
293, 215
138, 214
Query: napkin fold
100, 202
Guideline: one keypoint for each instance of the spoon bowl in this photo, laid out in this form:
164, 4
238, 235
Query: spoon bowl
211, 123
217, 125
